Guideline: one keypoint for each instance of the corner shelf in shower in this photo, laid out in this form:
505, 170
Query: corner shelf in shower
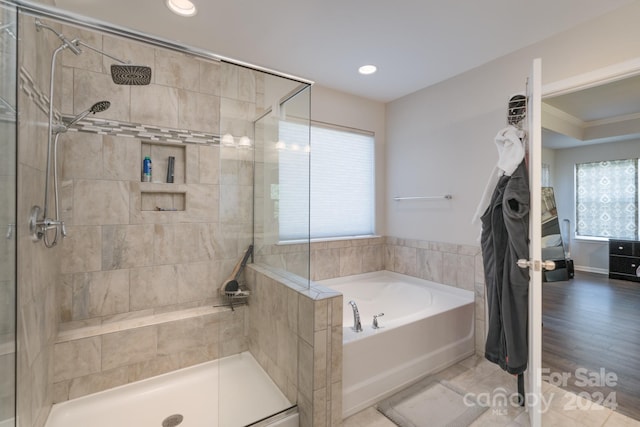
160, 197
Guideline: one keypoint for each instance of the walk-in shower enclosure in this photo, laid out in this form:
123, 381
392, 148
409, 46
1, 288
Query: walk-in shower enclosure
133, 290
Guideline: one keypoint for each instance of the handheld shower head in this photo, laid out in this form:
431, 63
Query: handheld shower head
98, 107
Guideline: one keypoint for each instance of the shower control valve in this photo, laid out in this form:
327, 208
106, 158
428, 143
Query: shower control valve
375, 320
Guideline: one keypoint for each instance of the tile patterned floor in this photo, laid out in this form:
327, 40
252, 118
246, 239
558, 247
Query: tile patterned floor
489, 383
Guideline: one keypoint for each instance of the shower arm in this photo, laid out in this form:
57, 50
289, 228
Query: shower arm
78, 42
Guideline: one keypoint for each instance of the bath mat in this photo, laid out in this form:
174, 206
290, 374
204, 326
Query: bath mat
431, 403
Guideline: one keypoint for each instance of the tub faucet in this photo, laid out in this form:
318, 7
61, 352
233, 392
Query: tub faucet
357, 326
375, 320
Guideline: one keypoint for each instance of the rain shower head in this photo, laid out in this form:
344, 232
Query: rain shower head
132, 75
98, 107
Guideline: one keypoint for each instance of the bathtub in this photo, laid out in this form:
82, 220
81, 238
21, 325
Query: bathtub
426, 327
230, 392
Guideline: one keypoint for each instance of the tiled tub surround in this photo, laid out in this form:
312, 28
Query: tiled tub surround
446, 263
426, 327
295, 333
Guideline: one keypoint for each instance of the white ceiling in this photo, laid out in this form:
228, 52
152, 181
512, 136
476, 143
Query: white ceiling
414, 43
604, 113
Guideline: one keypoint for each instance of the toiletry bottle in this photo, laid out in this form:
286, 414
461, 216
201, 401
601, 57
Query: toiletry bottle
146, 169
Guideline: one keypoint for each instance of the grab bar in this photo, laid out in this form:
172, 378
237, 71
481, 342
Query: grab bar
446, 196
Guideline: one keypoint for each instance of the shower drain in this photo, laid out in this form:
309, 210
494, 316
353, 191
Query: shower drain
172, 420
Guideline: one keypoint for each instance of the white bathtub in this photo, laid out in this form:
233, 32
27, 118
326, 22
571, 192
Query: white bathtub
426, 327
230, 392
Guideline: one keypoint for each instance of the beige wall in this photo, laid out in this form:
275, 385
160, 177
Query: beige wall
440, 139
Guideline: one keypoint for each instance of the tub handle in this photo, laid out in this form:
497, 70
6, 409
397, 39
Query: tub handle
375, 320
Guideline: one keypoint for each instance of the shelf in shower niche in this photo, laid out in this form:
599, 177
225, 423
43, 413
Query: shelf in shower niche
159, 152
159, 197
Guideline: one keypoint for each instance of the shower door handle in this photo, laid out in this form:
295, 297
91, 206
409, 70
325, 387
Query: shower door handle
9, 234
536, 265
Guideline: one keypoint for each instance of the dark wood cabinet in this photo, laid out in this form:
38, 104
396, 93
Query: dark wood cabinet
624, 260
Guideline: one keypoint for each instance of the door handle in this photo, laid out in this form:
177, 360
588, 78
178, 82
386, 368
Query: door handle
536, 265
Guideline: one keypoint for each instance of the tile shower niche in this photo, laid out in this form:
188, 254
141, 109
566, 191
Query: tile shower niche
159, 195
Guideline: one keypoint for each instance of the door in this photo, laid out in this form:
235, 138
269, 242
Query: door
533, 379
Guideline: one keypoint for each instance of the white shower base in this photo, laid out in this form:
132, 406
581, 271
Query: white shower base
230, 392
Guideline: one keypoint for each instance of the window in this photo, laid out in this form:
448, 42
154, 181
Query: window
607, 199
546, 175
341, 173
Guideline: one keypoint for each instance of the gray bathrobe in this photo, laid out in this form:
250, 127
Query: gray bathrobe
504, 240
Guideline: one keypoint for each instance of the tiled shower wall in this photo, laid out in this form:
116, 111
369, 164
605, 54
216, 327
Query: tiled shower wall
8, 119
123, 259
123, 266
295, 333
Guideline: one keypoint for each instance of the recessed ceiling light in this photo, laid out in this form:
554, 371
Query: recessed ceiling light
367, 69
181, 7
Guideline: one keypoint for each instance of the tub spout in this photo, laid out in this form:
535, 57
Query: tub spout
357, 326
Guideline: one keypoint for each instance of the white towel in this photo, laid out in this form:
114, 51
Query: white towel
510, 154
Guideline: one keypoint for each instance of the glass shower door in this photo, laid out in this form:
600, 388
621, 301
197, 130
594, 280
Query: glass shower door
8, 49
261, 380
281, 199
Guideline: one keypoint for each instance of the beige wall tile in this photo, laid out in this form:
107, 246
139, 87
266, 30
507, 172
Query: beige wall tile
121, 157
100, 293
350, 261
320, 353
449, 269
88, 59
76, 358
197, 281
405, 260
202, 203
177, 70
246, 85
306, 369
210, 75
154, 105
188, 334
154, 286
199, 112
229, 81
430, 265
372, 258
305, 318
90, 87
127, 246
136, 53
82, 249
82, 156
100, 202
209, 168
325, 264
125, 348
181, 243
100, 381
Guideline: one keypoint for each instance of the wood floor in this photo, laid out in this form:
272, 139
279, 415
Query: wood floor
590, 324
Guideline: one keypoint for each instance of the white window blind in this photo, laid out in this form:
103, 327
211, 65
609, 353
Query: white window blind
607, 199
338, 201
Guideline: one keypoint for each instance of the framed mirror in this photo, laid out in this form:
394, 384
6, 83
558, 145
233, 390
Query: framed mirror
553, 247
